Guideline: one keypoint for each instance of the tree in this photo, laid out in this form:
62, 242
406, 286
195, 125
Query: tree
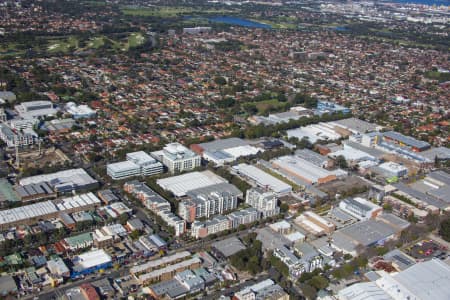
219, 80
319, 282
341, 162
309, 291
134, 235
444, 230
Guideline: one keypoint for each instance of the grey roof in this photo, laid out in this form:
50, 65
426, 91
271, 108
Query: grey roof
271, 240
229, 246
9, 96
369, 150
421, 196
442, 193
427, 280
394, 220
439, 152
312, 157
363, 291
223, 144
224, 189
171, 287
368, 232
441, 176
406, 139
400, 259
7, 285
357, 125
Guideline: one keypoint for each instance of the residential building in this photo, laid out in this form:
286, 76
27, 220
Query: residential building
14, 137
264, 201
177, 158
243, 216
208, 201
215, 225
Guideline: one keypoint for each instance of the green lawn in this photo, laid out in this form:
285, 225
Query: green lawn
265, 105
134, 40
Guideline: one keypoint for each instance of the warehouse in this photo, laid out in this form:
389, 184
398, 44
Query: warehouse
369, 233
90, 262
315, 132
403, 140
225, 151
263, 179
303, 170
391, 169
64, 181
181, 184
31, 214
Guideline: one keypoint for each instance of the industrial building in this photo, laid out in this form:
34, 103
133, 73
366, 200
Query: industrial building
391, 169
263, 179
181, 184
303, 170
360, 208
136, 164
90, 262
330, 107
407, 141
314, 224
31, 214
356, 126
64, 181
370, 232
225, 151
208, 201
35, 109
177, 158
424, 280
315, 132
80, 111
168, 272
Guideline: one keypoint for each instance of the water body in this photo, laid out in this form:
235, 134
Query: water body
239, 22
425, 2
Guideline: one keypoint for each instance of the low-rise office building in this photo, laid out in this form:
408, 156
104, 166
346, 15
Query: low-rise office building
137, 164
360, 208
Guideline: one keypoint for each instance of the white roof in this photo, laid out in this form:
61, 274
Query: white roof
78, 176
301, 167
242, 151
27, 212
427, 280
181, 184
122, 166
93, 258
363, 291
295, 236
140, 158
280, 225
263, 179
79, 110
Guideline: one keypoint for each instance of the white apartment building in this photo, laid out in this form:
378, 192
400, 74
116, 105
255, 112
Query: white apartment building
177, 158
263, 201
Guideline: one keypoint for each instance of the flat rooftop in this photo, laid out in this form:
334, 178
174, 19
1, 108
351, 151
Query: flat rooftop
181, 184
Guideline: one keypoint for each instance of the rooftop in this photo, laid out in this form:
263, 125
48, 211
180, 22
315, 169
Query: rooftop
181, 184
229, 246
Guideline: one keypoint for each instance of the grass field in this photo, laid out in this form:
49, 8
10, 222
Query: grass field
273, 104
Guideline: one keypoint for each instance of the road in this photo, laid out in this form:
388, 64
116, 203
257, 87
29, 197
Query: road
56, 293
